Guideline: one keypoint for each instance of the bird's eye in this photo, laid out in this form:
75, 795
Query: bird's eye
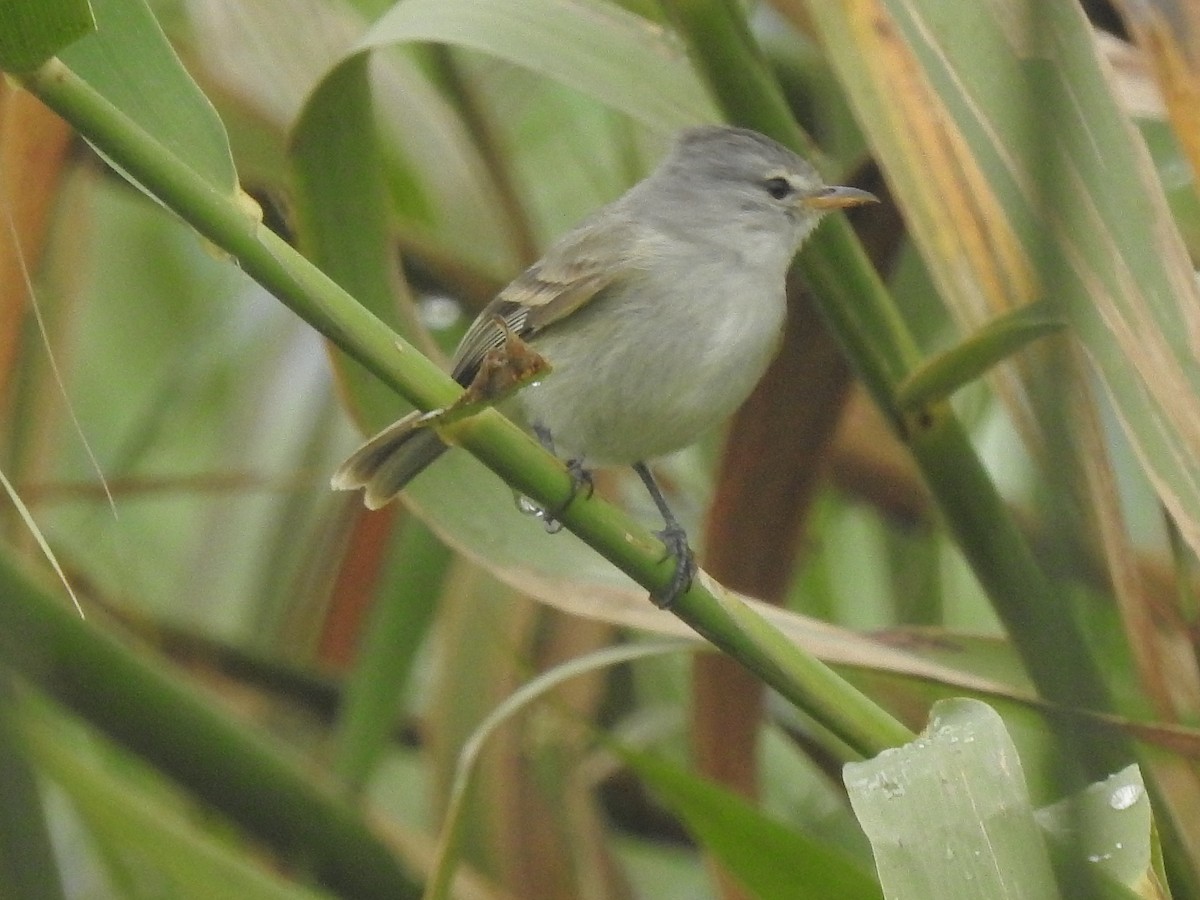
778, 187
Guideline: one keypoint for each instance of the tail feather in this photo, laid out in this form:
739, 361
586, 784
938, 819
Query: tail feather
386, 463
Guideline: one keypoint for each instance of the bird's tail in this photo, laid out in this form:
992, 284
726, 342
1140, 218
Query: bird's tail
389, 461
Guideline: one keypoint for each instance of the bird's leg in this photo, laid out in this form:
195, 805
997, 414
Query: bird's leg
581, 479
676, 541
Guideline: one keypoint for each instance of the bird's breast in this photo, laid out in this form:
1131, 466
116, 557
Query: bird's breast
650, 366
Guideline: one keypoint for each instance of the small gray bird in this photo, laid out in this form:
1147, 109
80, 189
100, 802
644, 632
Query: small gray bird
657, 315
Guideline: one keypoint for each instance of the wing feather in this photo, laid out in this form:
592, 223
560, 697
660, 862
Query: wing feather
581, 265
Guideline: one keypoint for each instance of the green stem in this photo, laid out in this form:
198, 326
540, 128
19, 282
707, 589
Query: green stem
861, 314
490, 437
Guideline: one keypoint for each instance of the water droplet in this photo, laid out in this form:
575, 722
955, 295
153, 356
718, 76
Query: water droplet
528, 507
1125, 796
891, 788
439, 311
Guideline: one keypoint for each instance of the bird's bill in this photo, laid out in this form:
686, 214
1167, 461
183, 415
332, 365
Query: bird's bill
838, 198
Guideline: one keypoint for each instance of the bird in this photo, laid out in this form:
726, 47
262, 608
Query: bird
656, 316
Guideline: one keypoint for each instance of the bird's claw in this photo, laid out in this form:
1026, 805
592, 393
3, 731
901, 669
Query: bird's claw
581, 480
674, 538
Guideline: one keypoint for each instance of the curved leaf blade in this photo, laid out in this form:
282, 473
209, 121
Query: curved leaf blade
1006, 206
941, 375
598, 49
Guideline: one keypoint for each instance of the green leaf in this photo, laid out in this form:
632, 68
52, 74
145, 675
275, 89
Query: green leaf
32, 31
770, 859
949, 816
1109, 823
136, 702
342, 214
943, 374
27, 862
129, 61
596, 48
1021, 177
593, 50
145, 838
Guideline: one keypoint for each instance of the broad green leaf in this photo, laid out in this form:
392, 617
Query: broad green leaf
767, 857
1109, 823
271, 59
439, 186
949, 816
129, 61
596, 48
342, 214
31, 31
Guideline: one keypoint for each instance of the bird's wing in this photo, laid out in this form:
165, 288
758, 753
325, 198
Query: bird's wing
573, 272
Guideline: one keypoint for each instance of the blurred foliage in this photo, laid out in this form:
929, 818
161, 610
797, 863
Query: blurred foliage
421, 153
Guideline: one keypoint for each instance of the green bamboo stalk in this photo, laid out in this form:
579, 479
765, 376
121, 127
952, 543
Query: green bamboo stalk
861, 314
834, 264
501, 446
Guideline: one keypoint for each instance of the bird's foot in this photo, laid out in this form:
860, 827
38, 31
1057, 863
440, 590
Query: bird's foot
676, 542
581, 481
